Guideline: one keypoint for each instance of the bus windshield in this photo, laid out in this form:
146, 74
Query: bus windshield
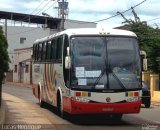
105, 63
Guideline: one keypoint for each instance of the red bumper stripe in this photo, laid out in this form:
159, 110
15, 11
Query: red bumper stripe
74, 107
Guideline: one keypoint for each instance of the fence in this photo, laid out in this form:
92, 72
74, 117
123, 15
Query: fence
154, 81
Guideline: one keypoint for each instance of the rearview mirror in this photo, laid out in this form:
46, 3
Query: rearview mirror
67, 62
145, 64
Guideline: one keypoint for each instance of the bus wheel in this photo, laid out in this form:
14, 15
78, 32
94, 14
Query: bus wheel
41, 103
39, 94
59, 106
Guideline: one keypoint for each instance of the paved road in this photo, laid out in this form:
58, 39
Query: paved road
23, 108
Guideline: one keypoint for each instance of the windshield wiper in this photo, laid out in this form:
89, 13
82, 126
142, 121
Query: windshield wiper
116, 77
99, 77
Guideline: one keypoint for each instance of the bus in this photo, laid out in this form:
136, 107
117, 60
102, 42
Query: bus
88, 71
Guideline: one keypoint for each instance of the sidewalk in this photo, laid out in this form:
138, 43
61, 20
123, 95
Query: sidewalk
3, 105
2, 112
19, 84
155, 101
19, 111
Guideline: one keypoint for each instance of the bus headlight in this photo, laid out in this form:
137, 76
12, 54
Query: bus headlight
80, 99
132, 99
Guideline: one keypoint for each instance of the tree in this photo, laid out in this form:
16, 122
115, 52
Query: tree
149, 39
4, 59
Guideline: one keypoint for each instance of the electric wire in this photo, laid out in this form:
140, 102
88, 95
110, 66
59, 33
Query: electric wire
118, 13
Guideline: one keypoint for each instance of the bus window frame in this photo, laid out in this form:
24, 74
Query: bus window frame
54, 55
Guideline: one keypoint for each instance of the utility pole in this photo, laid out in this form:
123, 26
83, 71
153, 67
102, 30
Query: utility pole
62, 12
63, 20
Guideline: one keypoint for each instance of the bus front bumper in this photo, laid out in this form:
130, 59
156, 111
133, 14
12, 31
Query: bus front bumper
104, 108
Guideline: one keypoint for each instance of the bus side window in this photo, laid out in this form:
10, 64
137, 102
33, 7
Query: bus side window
36, 52
40, 52
59, 47
33, 56
44, 51
48, 54
53, 49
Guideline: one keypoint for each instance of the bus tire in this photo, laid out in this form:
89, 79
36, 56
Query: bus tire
59, 105
39, 94
147, 104
41, 103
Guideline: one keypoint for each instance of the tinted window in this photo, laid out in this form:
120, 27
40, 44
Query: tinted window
59, 47
53, 49
44, 51
48, 54
40, 51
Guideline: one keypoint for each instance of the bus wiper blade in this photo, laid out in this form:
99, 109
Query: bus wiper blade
118, 80
99, 77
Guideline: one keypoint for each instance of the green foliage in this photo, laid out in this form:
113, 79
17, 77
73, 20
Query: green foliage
4, 58
149, 40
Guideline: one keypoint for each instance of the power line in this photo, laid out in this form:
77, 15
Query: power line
37, 7
32, 11
121, 12
154, 24
43, 8
36, 13
153, 19
51, 6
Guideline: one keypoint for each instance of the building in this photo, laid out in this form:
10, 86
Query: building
22, 34
22, 66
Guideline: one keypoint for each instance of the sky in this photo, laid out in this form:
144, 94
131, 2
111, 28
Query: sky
90, 10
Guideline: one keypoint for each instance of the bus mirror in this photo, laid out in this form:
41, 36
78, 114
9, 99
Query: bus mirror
145, 64
67, 62
68, 51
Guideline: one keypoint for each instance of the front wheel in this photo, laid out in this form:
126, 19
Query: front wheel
42, 104
147, 104
59, 107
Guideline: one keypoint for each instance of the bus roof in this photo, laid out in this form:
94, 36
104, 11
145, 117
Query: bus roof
89, 31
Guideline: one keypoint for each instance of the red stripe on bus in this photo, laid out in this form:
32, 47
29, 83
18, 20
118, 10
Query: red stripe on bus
74, 107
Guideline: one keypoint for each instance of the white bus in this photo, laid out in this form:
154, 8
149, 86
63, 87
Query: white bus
88, 71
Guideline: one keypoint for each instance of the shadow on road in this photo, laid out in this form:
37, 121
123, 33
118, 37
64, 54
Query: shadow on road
95, 120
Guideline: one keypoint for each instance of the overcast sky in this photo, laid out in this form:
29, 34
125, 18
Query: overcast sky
89, 10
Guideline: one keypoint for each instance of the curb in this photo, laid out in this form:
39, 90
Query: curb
2, 112
154, 103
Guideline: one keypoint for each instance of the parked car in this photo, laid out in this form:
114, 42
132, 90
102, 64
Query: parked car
146, 95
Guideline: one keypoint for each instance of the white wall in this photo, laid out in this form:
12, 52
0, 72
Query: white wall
78, 24
14, 33
30, 33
